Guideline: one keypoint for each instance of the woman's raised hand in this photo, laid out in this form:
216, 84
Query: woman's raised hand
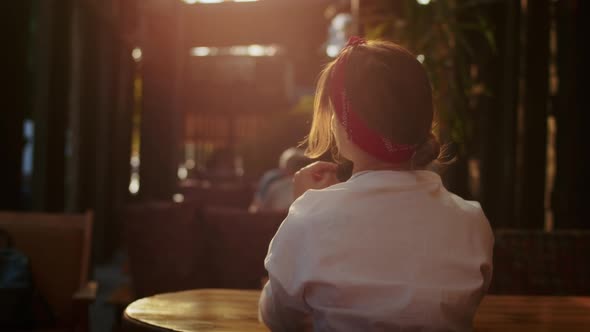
318, 175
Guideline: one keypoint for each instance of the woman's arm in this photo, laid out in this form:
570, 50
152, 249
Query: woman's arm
280, 311
291, 263
318, 175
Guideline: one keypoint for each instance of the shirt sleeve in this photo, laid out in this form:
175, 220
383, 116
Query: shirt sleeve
277, 311
289, 263
487, 267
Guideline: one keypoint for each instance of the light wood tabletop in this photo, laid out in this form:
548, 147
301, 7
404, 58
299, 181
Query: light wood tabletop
221, 310
211, 310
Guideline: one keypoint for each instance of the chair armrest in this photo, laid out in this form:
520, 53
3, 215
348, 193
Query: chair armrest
122, 296
87, 293
81, 301
119, 299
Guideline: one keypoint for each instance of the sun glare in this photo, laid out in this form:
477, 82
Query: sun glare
238, 50
192, 2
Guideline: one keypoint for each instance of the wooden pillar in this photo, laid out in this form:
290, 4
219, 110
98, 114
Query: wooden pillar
581, 220
52, 68
498, 121
59, 104
73, 191
15, 99
98, 169
572, 141
115, 144
88, 109
96, 124
531, 211
564, 200
122, 81
122, 143
355, 9
159, 145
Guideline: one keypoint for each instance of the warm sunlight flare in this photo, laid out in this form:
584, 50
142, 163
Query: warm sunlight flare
178, 198
134, 184
332, 50
191, 2
137, 54
245, 50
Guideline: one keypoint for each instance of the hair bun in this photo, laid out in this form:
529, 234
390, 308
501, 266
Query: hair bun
426, 153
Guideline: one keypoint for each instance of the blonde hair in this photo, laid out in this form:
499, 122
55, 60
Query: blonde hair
293, 159
320, 138
389, 89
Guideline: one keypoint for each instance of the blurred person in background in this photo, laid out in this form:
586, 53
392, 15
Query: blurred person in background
222, 167
275, 188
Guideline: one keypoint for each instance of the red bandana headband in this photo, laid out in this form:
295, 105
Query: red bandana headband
358, 132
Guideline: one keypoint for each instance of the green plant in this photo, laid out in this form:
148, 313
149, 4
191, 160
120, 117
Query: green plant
450, 38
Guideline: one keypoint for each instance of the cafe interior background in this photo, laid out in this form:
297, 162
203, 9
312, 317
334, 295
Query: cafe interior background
151, 121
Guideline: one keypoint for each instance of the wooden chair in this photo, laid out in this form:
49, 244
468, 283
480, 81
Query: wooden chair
164, 244
236, 195
237, 243
164, 247
175, 247
58, 246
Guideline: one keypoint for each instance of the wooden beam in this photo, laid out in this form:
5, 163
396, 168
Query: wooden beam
15, 100
531, 207
498, 118
52, 68
160, 148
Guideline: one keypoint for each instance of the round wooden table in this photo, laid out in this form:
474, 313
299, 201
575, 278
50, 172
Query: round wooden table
220, 310
211, 310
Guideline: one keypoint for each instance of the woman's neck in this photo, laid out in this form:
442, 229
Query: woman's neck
377, 165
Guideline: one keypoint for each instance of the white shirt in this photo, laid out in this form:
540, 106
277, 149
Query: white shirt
383, 251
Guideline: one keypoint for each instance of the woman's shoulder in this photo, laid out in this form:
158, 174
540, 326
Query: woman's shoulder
468, 207
310, 212
473, 215
321, 200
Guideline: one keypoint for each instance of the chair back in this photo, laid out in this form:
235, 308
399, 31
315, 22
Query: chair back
237, 243
164, 244
236, 195
58, 246
541, 263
